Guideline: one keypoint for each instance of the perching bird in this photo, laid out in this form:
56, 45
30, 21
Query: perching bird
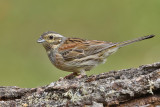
79, 55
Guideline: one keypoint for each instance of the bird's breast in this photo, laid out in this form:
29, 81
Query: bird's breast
57, 60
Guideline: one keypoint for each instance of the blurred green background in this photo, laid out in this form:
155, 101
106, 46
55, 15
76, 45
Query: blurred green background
24, 63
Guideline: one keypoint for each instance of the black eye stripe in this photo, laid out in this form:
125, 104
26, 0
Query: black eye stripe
56, 38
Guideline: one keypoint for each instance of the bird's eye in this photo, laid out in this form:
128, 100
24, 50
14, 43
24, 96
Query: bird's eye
50, 37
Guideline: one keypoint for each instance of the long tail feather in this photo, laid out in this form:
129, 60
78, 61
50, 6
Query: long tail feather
121, 44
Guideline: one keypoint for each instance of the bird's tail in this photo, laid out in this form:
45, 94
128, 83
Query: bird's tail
121, 44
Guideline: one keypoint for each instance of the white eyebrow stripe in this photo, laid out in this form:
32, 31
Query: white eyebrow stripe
59, 35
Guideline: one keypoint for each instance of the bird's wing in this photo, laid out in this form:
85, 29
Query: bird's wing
75, 48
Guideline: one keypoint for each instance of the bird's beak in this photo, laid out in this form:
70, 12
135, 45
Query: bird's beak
40, 40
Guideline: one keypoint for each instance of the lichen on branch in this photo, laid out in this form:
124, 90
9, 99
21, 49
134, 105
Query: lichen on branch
129, 87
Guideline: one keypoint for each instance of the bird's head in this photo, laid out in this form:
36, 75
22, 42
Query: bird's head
51, 40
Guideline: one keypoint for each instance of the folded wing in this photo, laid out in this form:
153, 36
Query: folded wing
75, 48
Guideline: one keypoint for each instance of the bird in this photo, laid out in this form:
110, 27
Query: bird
78, 55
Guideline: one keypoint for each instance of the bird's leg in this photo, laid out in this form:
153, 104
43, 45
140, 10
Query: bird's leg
76, 75
72, 75
82, 74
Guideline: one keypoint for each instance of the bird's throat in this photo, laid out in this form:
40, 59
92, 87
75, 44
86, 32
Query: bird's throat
49, 47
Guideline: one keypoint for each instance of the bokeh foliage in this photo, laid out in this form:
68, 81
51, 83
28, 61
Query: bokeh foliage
24, 63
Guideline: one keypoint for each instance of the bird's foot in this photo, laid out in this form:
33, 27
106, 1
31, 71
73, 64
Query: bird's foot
75, 75
80, 76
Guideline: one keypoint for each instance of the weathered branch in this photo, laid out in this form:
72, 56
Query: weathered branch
129, 87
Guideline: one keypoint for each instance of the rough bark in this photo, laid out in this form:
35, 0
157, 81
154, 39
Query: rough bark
129, 87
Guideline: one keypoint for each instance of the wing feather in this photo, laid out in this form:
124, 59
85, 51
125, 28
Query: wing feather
75, 48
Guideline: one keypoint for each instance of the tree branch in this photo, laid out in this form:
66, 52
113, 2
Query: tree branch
129, 87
